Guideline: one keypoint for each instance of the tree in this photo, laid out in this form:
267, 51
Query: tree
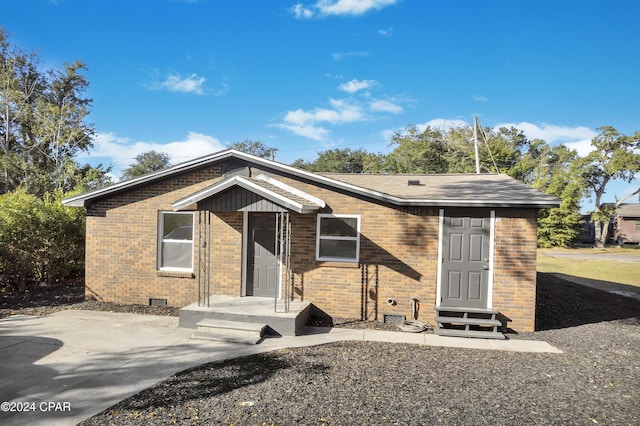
86, 177
40, 239
147, 162
505, 151
338, 161
256, 148
418, 152
42, 121
553, 170
451, 150
614, 157
20, 84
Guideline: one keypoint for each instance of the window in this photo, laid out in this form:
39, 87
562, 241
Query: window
637, 225
175, 238
338, 238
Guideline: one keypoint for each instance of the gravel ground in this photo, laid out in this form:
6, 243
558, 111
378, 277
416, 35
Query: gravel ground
595, 381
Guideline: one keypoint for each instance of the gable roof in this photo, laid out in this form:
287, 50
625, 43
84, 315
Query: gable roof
271, 189
463, 190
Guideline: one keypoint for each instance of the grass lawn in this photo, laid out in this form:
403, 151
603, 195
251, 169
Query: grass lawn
597, 269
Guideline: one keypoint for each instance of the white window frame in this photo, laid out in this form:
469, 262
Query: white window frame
319, 238
161, 240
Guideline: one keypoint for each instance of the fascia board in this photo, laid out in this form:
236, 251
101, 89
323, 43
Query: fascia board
542, 204
81, 200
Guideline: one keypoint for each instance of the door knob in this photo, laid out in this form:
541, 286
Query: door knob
485, 266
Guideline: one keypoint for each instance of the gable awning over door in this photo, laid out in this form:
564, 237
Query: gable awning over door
251, 194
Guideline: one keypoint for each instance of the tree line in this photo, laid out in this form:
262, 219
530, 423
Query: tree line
44, 126
556, 170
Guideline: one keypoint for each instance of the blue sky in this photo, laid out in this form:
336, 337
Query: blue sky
189, 77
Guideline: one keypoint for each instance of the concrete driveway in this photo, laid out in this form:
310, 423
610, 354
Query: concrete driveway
64, 368
68, 366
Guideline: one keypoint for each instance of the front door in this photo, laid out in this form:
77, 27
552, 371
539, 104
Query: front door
465, 258
262, 263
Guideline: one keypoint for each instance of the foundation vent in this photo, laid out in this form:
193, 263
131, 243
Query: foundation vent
157, 302
393, 318
414, 182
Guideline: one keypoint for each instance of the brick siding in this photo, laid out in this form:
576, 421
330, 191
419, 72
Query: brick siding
398, 255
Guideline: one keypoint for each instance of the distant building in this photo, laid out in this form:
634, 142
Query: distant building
627, 223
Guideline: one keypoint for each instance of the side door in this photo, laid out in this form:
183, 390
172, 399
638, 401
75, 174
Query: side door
465, 258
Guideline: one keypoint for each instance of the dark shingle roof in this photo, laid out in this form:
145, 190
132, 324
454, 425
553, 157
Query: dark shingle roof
461, 190
494, 189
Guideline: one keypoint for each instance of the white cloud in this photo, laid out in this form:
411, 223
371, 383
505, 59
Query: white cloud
223, 90
315, 133
354, 85
121, 152
351, 7
339, 56
578, 138
307, 123
385, 106
443, 124
177, 83
479, 98
342, 112
360, 106
386, 33
301, 12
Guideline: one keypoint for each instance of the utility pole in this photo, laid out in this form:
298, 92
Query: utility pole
475, 142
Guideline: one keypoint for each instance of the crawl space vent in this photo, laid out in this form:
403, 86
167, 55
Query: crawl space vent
414, 182
393, 318
157, 302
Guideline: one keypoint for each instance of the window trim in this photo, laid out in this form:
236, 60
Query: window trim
161, 215
320, 237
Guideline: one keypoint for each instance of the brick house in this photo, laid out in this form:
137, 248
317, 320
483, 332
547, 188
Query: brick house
354, 245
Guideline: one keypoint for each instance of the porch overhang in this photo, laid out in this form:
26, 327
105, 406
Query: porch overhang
264, 194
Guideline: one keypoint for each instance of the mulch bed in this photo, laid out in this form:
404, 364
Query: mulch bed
595, 381
47, 300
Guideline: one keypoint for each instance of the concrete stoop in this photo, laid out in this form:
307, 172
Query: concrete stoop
250, 310
229, 331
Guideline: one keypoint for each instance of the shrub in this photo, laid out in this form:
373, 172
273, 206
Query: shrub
40, 239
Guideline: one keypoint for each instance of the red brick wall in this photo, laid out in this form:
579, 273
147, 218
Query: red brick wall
122, 244
398, 255
398, 259
514, 285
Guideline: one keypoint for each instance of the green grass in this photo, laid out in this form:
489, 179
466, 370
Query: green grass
605, 270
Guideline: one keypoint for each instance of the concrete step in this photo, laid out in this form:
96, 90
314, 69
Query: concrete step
229, 331
469, 333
